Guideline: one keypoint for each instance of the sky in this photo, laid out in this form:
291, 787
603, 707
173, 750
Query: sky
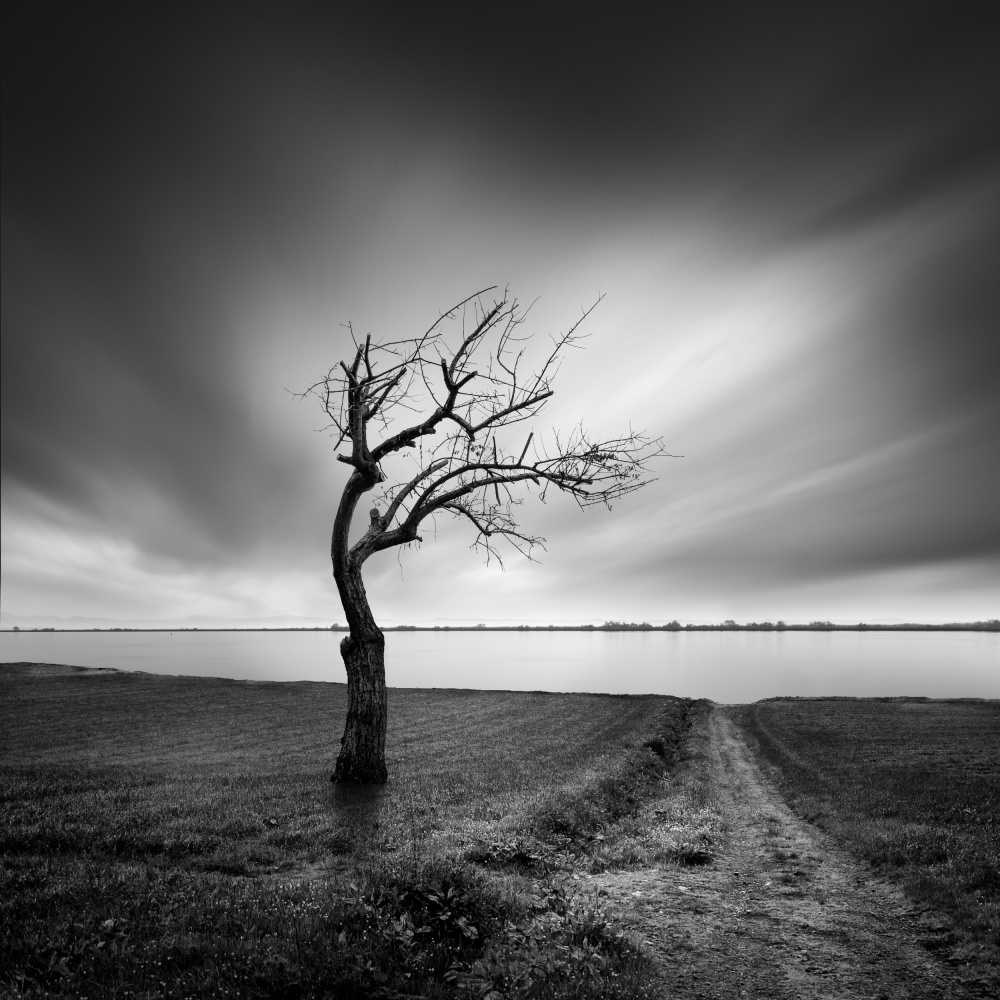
791, 210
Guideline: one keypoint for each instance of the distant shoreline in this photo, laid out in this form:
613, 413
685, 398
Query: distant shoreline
984, 626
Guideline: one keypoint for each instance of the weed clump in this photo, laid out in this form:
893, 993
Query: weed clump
691, 855
557, 949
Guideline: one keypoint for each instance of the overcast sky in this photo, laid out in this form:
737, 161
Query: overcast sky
793, 212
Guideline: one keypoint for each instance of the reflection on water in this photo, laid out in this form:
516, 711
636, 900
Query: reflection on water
724, 666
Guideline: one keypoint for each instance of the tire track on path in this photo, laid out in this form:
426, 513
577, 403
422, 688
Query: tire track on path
783, 912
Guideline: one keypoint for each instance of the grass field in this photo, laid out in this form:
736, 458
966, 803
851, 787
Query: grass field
911, 785
162, 836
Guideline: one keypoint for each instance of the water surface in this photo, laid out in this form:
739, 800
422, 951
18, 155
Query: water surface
723, 666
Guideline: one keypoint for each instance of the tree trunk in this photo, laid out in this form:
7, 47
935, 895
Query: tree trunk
362, 747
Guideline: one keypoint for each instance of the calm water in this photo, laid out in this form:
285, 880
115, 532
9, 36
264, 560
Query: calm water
724, 666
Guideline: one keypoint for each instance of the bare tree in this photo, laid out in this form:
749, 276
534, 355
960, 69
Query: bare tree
450, 401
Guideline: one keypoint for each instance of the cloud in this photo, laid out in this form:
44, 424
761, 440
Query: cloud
794, 215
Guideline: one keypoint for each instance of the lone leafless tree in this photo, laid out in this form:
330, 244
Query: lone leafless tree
450, 400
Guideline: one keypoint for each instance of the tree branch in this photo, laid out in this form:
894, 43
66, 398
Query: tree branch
479, 386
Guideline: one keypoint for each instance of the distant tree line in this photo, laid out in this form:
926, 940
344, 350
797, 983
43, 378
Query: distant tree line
729, 625
988, 625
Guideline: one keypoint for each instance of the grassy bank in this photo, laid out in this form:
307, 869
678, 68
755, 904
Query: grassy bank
170, 836
912, 785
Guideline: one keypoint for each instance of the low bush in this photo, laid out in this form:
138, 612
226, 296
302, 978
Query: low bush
557, 949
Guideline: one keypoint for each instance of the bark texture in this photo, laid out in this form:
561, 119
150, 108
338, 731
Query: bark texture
362, 747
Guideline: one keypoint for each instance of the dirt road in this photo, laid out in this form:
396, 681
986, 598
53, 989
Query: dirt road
782, 911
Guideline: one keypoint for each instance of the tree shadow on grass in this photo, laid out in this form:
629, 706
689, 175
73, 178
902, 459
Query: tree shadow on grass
358, 810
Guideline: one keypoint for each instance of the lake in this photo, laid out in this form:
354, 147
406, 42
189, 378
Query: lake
730, 667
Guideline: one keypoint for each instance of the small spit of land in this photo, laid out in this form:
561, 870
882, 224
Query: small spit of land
178, 836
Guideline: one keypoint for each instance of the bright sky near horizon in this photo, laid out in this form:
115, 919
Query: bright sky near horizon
793, 211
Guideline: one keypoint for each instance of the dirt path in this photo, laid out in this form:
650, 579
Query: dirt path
782, 912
